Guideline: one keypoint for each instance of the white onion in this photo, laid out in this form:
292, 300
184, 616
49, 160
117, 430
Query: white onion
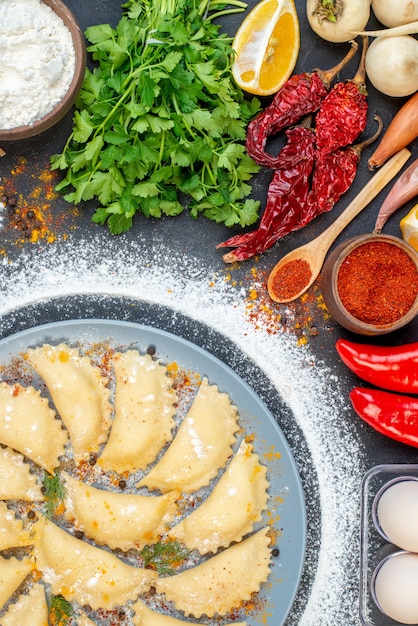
392, 65
354, 17
394, 13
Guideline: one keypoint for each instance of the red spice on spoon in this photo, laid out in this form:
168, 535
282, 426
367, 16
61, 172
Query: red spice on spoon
290, 279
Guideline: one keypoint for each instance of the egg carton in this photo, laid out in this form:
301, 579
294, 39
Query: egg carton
373, 547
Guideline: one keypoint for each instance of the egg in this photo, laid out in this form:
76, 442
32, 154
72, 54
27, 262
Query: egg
397, 513
395, 587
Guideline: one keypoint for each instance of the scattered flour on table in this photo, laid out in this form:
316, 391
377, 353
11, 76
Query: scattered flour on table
153, 274
37, 61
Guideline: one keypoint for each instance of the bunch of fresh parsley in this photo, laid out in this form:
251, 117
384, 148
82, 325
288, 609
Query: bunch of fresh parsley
160, 124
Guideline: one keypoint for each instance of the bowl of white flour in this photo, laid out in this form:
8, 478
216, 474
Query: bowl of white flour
43, 60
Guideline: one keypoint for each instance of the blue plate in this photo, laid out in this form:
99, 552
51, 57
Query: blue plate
286, 504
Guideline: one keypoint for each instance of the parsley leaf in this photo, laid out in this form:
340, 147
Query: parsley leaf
159, 119
54, 492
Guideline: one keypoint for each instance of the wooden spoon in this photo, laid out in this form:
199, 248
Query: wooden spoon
312, 254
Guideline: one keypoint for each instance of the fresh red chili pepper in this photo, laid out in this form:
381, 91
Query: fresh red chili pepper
390, 414
291, 202
286, 197
394, 368
342, 116
301, 95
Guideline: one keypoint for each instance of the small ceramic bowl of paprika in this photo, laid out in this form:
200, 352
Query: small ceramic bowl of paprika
370, 284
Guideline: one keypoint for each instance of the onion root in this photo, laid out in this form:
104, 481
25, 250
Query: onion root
395, 31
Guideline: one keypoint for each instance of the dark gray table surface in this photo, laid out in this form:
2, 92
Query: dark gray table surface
199, 238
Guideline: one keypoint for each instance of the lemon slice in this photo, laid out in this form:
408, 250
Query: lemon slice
267, 46
409, 227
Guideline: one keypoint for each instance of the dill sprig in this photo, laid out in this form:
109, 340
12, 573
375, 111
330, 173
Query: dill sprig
163, 557
60, 611
54, 492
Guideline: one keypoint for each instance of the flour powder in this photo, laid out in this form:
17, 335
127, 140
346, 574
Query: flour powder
37, 61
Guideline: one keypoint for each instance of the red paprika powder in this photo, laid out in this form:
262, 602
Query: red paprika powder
290, 279
378, 283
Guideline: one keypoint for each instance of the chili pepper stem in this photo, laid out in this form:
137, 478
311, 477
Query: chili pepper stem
360, 76
360, 146
327, 76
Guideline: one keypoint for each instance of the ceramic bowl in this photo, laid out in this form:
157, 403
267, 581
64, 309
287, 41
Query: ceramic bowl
62, 108
331, 294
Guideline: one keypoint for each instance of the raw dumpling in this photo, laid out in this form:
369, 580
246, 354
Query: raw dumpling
144, 410
31, 609
12, 574
201, 446
12, 533
144, 616
118, 520
28, 424
79, 392
232, 508
86, 574
223, 582
16, 480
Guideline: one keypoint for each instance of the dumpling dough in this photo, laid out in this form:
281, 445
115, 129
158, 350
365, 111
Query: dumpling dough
12, 533
201, 446
144, 410
28, 424
79, 392
223, 582
86, 574
144, 616
16, 480
12, 574
232, 508
31, 609
118, 520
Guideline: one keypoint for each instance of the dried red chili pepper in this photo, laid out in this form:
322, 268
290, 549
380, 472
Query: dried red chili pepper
342, 116
290, 208
393, 368
286, 197
301, 95
333, 175
390, 414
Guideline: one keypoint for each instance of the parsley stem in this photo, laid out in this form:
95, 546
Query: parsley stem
209, 171
207, 6
214, 16
186, 125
